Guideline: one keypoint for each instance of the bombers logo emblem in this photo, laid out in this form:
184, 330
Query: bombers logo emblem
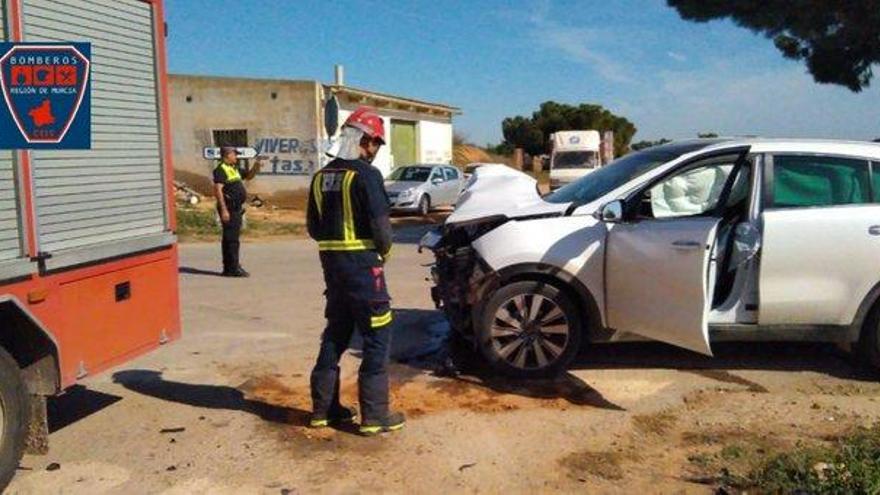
46, 92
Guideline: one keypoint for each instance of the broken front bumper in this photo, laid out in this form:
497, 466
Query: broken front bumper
461, 280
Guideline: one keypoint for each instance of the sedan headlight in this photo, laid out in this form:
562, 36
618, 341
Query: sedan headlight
406, 194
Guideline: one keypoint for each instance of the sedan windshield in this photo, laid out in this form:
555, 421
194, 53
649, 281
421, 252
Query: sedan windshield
410, 174
617, 173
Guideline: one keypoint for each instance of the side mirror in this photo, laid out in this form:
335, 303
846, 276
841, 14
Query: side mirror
436, 180
331, 116
612, 212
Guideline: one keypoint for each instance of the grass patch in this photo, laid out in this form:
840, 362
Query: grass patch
194, 223
201, 224
846, 464
270, 228
849, 465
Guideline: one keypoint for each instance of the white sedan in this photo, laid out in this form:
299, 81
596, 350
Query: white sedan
686, 243
421, 188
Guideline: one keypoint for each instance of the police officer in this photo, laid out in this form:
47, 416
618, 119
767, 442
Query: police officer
231, 195
348, 214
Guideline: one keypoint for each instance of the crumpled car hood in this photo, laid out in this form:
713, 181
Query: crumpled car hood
500, 190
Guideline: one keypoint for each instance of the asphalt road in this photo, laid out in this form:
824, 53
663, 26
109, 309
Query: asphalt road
223, 410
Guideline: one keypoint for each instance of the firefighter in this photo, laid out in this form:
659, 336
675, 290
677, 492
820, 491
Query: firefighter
348, 214
231, 195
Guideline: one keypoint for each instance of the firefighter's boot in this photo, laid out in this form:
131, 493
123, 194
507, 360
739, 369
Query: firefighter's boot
393, 422
338, 416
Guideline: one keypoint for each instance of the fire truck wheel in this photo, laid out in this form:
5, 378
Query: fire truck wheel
13, 417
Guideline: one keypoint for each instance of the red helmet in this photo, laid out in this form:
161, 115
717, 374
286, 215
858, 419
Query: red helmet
365, 119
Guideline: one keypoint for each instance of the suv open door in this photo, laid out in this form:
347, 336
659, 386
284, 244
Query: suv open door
658, 260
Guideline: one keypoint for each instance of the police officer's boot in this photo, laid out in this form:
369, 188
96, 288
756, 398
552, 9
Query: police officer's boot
236, 273
393, 422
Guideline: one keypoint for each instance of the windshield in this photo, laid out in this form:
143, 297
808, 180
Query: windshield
575, 159
410, 174
619, 172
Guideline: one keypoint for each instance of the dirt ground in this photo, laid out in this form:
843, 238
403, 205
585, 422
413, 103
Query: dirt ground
224, 409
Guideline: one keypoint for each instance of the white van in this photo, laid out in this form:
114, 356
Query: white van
574, 154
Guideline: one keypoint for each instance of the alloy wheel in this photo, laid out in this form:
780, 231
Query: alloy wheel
529, 331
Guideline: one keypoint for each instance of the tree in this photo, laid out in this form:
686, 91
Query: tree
838, 39
877, 140
522, 132
533, 133
704, 135
640, 145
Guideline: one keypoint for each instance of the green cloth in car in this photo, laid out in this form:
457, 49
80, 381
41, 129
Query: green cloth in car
800, 181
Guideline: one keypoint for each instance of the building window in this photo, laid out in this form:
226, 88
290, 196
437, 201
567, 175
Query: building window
230, 137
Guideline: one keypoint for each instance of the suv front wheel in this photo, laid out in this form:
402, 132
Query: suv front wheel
529, 330
869, 344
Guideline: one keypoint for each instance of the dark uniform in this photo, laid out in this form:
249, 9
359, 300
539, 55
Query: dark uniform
348, 216
235, 195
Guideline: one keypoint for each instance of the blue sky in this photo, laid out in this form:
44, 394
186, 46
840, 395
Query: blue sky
495, 59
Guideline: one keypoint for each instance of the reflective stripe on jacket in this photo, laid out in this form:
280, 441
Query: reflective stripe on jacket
348, 208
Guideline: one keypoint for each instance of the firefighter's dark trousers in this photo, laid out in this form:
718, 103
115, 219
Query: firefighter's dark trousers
356, 298
229, 243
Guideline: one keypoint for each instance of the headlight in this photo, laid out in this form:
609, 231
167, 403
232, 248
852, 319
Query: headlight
431, 239
406, 194
474, 229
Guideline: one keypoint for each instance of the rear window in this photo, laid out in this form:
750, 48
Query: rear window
805, 181
875, 172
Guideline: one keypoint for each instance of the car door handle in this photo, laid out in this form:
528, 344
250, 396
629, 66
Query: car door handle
686, 245
874, 230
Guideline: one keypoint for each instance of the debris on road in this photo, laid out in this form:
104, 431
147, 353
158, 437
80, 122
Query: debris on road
53, 467
466, 466
178, 429
186, 194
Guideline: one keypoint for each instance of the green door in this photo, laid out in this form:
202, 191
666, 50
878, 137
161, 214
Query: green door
403, 142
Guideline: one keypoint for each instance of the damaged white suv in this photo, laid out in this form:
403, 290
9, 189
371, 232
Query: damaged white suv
685, 243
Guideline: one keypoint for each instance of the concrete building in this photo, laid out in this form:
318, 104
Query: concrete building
284, 120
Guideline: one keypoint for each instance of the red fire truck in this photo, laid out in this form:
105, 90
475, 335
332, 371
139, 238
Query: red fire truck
88, 257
